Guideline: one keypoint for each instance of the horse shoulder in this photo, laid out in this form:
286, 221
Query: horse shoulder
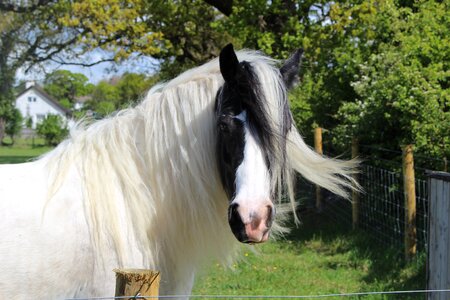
43, 239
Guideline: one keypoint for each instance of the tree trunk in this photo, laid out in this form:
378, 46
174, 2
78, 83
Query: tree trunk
7, 75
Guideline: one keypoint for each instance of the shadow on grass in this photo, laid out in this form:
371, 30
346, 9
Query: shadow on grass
385, 267
15, 159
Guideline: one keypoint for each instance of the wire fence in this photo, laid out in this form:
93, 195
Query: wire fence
382, 203
381, 207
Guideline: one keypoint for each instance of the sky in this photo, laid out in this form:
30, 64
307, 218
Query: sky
95, 73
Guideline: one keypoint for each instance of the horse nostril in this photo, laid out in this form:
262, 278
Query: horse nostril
270, 215
235, 222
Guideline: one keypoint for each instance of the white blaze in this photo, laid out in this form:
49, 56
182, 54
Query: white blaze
252, 176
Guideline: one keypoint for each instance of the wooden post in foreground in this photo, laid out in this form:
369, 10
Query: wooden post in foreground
319, 149
355, 193
137, 282
410, 202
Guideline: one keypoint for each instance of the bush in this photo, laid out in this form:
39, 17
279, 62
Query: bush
13, 124
53, 129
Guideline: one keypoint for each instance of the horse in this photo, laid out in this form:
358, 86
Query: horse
171, 184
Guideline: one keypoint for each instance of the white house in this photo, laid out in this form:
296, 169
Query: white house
35, 103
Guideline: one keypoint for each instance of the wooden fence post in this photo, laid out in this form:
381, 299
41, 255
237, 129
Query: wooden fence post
137, 282
410, 202
319, 149
355, 193
438, 271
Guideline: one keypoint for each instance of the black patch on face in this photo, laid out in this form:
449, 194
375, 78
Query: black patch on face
238, 95
230, 149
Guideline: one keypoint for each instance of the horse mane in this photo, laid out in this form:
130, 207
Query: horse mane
148, 166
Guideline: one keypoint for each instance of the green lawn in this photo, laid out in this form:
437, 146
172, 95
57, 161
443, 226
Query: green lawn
22, 150
318, 258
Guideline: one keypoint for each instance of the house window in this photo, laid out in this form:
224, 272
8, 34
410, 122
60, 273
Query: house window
40, 117
31, 99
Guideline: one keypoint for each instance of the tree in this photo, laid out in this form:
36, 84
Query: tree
119, 92
378, 70
403, 87
190, 33
53, 129
132, 87
13, 124
105, 98
60, 31
65, 86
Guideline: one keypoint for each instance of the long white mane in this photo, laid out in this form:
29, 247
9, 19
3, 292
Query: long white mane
149, 173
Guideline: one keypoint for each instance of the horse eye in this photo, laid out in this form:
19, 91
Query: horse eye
225, 124
223, 127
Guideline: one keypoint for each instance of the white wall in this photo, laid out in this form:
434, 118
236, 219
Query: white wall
37, 108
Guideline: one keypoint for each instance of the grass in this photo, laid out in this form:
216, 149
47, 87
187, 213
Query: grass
320, 257
22, 150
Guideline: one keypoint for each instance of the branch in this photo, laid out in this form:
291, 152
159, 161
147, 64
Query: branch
224, 6
13, 7
61, 62
30, 54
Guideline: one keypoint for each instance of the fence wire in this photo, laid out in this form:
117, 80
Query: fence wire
357, 295
381, 206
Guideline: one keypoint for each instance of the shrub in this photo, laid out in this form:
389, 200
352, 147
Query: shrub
53, 129
14, 124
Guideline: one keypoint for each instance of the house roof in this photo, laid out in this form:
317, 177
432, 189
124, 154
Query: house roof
44, 94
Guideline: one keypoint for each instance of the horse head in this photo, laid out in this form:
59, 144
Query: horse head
251, 145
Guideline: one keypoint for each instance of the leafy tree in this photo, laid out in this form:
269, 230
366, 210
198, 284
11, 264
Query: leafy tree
190, 33
13, 125
402, 93
65, 86
375, 69
33, 32
275, 27
53, 129
117, 93
105, 98
132, 87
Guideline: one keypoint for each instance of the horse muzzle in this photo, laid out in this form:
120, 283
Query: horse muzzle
251, 225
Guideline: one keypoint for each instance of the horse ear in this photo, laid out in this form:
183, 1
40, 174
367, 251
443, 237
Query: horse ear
229, 64
290, 69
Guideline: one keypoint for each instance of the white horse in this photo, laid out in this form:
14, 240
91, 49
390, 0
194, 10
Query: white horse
170, 184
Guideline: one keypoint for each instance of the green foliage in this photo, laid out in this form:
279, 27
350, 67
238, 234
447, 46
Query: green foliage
29, 122
379, 70
14, 124
105, 99
112, 25
300, 106
401, 86
189, 31
132, 87
65, 86
271, 26
53, 129
118, 93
